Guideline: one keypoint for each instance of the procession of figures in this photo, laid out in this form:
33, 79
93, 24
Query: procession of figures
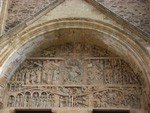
81, 96
75, 76
74, 71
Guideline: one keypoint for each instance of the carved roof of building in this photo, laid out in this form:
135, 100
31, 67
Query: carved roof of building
134, 11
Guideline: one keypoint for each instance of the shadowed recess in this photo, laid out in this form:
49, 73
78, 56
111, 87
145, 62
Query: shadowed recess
33, 111
110, 111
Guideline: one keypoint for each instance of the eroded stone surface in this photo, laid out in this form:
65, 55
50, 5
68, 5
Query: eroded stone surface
76, 75
135, 12
20, 10
27, 86
0, 6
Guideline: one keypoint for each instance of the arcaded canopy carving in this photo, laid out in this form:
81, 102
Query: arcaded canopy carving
75, 75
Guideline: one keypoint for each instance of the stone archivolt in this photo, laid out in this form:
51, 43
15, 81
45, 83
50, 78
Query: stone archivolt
75, 75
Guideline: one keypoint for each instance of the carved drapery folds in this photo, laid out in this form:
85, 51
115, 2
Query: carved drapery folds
75, 75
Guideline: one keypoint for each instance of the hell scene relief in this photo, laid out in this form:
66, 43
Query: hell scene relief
75, 75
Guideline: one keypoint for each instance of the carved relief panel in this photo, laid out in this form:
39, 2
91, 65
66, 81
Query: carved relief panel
75, 75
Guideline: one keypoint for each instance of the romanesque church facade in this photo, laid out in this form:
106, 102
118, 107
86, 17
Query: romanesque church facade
73, 56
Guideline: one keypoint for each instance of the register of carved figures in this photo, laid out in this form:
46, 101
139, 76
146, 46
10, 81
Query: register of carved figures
75, 75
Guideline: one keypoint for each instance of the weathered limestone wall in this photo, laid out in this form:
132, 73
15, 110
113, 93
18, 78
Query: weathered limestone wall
0, 6
134, 11
20, 10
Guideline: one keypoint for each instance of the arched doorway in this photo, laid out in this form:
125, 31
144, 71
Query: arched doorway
77, 68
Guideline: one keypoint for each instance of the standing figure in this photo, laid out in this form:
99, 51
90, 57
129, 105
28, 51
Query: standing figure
56, 76
27, 100
35, 100
17, 101
51, 100
44, 99
75, 74
27, 80
11, 102
38, 75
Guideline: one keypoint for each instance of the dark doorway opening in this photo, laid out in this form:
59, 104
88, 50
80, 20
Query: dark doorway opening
33, 111
111, 111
